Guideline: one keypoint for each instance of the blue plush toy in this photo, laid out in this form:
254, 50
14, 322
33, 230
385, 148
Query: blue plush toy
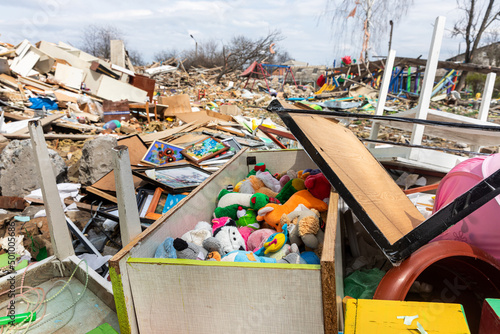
247, 256
166, 250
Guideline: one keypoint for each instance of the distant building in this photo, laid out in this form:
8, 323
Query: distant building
488, 55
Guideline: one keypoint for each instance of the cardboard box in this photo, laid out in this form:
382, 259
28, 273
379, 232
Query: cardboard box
118, 110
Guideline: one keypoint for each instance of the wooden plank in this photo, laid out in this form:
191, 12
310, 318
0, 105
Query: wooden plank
43, 122
328, 273
360, 174
102, 194
384, 88
50, 136
69, 76
428, 84
117, 52
25, 65
484, 69
150, 137
59, 234
486, 99
9, 81
130, 225
421, 189
246, 305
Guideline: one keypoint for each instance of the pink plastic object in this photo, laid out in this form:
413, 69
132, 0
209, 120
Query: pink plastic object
481, 228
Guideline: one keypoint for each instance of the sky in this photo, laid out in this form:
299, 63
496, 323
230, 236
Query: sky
154, 25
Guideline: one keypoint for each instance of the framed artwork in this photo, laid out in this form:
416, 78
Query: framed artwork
175, 179
155, 208
161, 153
232, 143
204, 149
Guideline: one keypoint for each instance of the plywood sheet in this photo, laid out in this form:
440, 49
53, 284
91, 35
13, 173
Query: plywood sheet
190, 298
361, 176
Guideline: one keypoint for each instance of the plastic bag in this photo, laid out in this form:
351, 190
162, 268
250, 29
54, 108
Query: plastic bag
362, 284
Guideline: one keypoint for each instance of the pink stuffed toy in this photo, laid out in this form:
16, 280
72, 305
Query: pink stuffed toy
318, 186
257, 238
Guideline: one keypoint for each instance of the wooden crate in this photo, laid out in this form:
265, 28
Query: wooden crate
184, 296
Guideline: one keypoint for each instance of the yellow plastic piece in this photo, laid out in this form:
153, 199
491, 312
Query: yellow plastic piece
381, 316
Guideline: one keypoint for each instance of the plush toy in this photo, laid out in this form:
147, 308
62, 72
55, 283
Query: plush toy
290, 188
166, 250
303, 174
256, 239
201, 231
230, 201
310, 257
226, 232
260, 167
247, 218
246, 232
247, 256
188, 250
262, 182
272, 213
274, 243
318, 185
287, 176
304, 227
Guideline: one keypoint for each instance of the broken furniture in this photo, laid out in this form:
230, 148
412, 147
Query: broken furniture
313, 305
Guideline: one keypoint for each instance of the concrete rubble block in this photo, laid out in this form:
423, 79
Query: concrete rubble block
97, 159
18, 173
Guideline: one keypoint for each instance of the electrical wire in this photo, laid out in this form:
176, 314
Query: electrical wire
41, 302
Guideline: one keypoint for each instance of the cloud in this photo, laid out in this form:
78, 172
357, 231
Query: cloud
166, 24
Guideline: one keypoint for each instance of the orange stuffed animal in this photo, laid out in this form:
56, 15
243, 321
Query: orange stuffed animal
271, 213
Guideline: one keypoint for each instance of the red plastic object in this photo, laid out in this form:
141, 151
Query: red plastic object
490, 321
459, 273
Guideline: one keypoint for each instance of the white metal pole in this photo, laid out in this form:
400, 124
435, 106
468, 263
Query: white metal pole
382, 95
59, 234
128, 213
484, 109
428, 82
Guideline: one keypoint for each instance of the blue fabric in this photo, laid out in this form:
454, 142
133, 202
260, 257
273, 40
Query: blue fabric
39, 102
166, 250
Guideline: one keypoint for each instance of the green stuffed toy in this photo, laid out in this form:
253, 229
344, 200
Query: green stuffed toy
230, 201
290, 188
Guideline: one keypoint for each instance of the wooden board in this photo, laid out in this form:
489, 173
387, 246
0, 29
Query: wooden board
150, 137
361, 180
381, 316
203, 116
290, 302
328, 284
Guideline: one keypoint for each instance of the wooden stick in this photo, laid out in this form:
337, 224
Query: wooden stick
421, 189
59, 234
130, 224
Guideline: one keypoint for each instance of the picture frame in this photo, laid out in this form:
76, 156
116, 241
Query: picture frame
155, 208
175, 178
232, 143
204, 149
144, 198
161, 153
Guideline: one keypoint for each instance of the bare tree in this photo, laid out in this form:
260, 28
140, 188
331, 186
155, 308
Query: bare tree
242, 51
136, 57
478, 16
96, 40
164, 55
370, 21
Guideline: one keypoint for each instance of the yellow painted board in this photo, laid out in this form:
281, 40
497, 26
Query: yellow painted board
381, 316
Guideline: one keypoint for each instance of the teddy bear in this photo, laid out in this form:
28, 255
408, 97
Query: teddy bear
247, 256
304, 227
318, 185
271, 213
